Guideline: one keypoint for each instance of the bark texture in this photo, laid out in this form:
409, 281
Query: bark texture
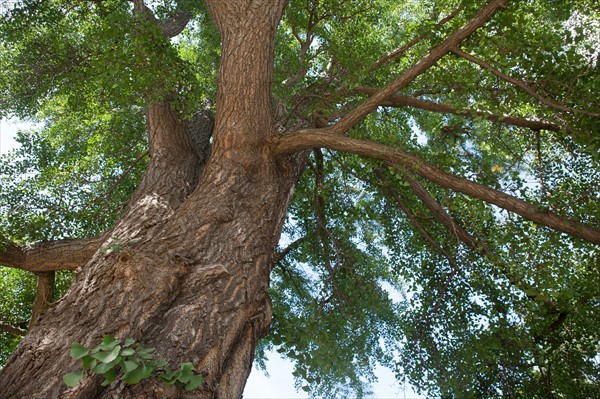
186, 269
195, 245
50, 256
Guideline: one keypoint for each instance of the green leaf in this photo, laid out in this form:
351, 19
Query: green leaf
145, 353
128, 366
108, 340
128, 342
102, 368
89, 362
127, 352
72, 379
78, 351
186, 366
109, 376
171, 378
107, 357
135, 376
185, 376
194, 382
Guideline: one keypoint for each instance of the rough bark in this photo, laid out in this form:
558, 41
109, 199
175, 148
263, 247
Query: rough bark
43, 295
196, 243
106, 291
50, 256
197, 240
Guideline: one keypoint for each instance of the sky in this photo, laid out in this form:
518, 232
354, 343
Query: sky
280, 383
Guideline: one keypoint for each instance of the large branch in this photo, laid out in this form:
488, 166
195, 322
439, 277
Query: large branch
399, 100
170, 27
521, 84
278, 256
289, 144
175, 24
50, 256
368, 106
16, 331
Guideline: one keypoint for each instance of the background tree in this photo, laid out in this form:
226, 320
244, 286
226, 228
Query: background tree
431, 167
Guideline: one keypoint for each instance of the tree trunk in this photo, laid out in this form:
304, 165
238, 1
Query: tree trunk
188, 269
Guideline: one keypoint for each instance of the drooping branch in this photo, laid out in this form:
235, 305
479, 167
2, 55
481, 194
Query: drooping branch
399, 100
320, 214
402, 49
474, 244
368, 106
430, 240
519, 83
123, 176
289, 144
313, 20
43, 295
50, 256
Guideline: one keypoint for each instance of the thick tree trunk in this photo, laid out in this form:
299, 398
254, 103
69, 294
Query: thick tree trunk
191, 274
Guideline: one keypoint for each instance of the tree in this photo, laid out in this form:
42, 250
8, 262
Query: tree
391, 142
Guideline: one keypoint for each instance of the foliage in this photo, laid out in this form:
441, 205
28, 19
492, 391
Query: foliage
130, 362
17, 292
371, 276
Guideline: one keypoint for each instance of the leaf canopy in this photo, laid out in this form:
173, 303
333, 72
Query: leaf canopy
493, 305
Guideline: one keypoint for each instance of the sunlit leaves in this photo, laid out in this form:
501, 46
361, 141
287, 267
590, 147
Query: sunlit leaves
371, 275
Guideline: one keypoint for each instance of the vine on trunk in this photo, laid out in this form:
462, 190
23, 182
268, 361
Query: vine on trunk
130, 362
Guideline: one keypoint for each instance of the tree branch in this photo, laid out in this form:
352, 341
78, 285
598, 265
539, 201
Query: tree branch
521, 84
49, 256
16, 331
43, 295
364, 109
292, 246
175, 24
398, 100
455, 268
400, 50
11, 329
121, 178
313, 20
289, 144
170, 27
476, 245
394, 195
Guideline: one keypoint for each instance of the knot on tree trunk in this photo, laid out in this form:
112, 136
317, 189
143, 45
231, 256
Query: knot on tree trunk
201, 128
